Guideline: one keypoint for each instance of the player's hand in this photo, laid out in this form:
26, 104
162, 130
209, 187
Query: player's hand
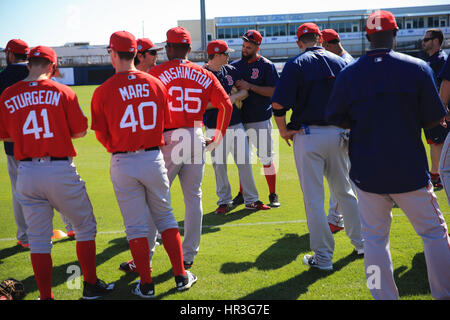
444, 121
242, 85
288, 135
210, 144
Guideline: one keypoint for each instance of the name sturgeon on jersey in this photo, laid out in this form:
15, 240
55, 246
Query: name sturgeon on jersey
182, 72
26, 99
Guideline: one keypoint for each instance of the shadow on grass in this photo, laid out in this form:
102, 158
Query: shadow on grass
298, 285
281, 253
414, 281
8, 252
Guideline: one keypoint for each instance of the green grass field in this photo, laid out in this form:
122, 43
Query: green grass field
243, 255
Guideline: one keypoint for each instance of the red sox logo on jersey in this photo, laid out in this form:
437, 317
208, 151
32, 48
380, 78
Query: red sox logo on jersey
255, 73
229, 79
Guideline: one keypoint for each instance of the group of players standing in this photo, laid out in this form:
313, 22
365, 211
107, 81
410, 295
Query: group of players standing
150, 118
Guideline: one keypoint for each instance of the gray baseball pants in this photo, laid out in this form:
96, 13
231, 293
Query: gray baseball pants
422, 209
322, 154
444, 167
43, 185
236, 143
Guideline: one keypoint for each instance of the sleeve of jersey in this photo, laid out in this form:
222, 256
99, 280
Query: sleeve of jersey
445, 72
431, 107
338, 105
167, 117
272, 75
221, 101
78, 122
286, 89
99, 124
3, 129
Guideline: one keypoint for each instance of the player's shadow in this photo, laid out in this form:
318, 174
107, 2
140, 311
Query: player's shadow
8, 252
414, 281
292, 288
284, 251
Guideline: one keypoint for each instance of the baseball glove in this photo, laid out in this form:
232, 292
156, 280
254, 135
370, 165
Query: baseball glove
12, 289
237, 102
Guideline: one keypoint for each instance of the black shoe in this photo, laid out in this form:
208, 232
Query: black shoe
238, 200
145, 291
95, 291
185, 282
188, 264
273, 198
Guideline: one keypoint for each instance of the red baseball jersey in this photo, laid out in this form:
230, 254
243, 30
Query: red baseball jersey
41, 117
191, 88
129, 112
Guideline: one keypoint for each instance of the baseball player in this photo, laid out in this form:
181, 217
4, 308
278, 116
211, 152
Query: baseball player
332, 43
129, 114
235, 140
16, 52
147, 54
436, 57
259, 79
320, 149
41, 117
444, 163
399, 91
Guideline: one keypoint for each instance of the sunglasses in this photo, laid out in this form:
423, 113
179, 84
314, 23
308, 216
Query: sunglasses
151, 52
427, 39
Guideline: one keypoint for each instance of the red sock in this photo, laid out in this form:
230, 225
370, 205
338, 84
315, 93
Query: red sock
172, 243
86, 253
141, 253
42, 267
240, 188
271, 177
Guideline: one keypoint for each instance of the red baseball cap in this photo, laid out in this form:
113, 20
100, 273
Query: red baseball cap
218, 46
253, 36
145, 44
122, 41
43, 52
306, 28
178, 35
329, 34
17, 46
380, 21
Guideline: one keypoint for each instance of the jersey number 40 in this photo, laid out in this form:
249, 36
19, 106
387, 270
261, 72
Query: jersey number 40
129, 118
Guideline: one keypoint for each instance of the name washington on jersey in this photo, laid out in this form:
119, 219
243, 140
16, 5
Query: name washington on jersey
26, 99
185, 73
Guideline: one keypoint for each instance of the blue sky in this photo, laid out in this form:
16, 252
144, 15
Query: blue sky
53, 23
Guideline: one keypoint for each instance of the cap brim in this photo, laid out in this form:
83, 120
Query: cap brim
229, 50
250, 40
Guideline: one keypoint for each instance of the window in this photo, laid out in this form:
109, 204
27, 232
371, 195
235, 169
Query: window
242, 31
348, 27
220, 33
442, 21
418, 23
235, 33
227, 33
209, 37
275, 31
269, 32
292, 30
355, 27
408, 24
283, 30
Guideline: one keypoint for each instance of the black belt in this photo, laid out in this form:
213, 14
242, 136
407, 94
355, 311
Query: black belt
148, 149
165, 130
51, 159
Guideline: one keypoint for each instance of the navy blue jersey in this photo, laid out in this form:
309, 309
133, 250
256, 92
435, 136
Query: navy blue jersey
261, 72
227, 76
387, 97
305, 86
444, 74
13, 73
436, 62
347, 57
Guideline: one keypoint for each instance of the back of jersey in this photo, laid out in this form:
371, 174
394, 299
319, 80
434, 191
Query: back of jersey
190, 88
129, 112
41, 117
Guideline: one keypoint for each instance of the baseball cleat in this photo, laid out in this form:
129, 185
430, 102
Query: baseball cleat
97, 290
257, 205
359, 252
335, 229
128, 266
273, 198
223, 208
146, 291
184, 282
71, 234
238, 200
188, 264
310, 260
23, 245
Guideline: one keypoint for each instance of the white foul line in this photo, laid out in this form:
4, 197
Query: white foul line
227, 225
